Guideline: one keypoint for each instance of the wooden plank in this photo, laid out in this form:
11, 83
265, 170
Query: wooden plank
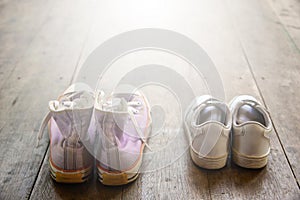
288, 14
46, 188
181, 179
275, 64
276, 180
42, 74
19, 25
233, 182
216, 34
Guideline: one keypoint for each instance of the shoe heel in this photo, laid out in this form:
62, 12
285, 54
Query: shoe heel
209, 163
249, 162
115, 178
70, 176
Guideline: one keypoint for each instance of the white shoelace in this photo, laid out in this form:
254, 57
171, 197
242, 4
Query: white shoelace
42, 128
132, 111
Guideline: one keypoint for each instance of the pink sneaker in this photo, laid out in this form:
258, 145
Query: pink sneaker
68, 121
122, 123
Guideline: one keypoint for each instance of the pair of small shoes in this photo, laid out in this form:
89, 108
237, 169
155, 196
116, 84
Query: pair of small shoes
84, 126
213, 128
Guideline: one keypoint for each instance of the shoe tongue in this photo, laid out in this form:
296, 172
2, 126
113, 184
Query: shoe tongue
73, 115
84, 101
80, 100
116, 105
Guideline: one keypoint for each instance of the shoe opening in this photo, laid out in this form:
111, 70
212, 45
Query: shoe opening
248, 113
213, 112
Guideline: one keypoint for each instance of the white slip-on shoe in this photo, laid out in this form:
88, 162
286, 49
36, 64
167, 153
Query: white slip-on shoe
207, 123
250, 132
123, 124
68, 120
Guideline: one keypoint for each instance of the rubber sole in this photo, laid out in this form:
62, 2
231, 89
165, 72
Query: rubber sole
251, 162
116, 178
73, 176
208, 163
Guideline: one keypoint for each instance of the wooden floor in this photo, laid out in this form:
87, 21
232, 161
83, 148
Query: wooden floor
255, 45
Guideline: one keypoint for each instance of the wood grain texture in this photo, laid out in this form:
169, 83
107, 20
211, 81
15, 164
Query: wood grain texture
231, 182
46, 188
252, 53
275, 64
42, 73
288, 14
19, 26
